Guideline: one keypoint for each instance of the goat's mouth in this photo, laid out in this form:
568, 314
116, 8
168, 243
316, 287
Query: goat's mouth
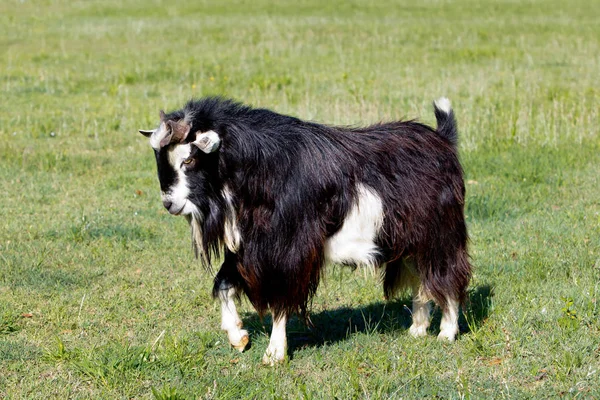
175, 211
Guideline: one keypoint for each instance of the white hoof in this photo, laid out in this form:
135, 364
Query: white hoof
449, 335
239, 340
273, 356
418, 330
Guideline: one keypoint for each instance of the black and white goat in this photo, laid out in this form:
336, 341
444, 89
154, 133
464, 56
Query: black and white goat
281, 197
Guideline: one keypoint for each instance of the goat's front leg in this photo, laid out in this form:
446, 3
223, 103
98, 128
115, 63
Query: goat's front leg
277, 349
226, 282
230, 320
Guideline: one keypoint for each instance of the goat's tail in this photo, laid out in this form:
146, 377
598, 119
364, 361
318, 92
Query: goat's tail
446, 124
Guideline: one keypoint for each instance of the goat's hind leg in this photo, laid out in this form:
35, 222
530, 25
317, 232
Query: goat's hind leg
227, 283
449, 324
444, 296
399, 275
421, 310
457, 281
448, 286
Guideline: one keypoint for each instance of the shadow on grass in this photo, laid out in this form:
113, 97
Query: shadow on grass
332, 326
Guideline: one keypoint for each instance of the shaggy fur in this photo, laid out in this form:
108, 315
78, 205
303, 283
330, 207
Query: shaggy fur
290, 185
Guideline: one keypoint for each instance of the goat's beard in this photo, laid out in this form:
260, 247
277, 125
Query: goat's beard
195, 221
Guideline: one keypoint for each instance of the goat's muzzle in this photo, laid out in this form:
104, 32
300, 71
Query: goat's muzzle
173, 208
167, 204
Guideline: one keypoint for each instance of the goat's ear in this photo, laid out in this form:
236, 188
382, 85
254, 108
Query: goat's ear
208, 142
146, 133
162, 116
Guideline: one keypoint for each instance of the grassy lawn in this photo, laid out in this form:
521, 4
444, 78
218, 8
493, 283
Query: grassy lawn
100, 296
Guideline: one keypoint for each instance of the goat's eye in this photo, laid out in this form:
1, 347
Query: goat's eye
188, 160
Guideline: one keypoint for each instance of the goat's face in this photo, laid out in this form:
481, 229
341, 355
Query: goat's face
185, 162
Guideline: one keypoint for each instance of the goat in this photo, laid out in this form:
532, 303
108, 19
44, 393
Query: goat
280, 197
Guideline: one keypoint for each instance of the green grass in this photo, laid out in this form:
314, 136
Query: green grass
100, 296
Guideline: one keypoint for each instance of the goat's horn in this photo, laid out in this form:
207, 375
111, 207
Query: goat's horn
208, 142
178, 131
146, 132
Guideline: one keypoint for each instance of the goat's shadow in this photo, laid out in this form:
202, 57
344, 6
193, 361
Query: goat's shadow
331, 326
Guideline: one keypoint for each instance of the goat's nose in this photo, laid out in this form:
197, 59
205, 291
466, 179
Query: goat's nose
167, 204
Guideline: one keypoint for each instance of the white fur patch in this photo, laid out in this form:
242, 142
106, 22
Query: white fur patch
158, 135
232, 233
444, 104
421, 310
277, 349
230, 320
178, 193
355, 241
449, 324
196, 227
178, 153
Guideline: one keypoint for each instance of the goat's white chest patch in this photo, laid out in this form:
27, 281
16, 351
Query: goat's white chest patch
355, 241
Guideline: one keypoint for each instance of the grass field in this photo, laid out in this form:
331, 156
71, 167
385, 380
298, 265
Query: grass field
100, 296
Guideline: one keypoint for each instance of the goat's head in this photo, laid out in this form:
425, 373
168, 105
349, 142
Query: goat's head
186, 160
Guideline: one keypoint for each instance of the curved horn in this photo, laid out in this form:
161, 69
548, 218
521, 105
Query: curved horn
146, 132
208, 142
162, 115
177, 132
180, 130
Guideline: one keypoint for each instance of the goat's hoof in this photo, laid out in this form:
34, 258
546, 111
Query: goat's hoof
242, 343
449, 336
417, 330
272, 359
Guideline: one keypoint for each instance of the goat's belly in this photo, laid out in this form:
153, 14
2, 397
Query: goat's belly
355, 241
